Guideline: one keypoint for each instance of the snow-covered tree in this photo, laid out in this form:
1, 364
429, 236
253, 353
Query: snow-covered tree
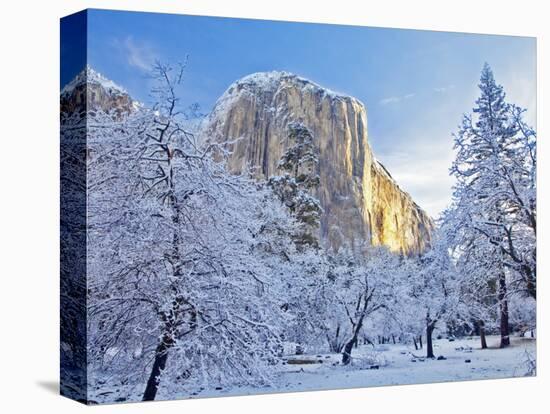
300, 163
520, 175
494, 200
362, 285
73, 252
309, 301
479, 294
185, 283
434, 289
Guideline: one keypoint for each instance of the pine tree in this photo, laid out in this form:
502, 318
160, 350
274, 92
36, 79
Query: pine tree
300, 164
490, 210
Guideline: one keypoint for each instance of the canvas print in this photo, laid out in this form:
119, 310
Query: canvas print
254, 206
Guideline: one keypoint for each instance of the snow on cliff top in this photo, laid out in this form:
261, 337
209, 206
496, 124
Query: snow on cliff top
271, 81
258, 83
90, 76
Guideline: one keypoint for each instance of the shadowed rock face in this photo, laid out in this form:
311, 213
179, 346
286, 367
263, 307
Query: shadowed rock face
90, 91
360, 199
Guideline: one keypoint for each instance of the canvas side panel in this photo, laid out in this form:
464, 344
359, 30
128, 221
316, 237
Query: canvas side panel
73, 367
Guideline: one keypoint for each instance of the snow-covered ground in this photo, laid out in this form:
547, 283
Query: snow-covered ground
401, 364
377, 366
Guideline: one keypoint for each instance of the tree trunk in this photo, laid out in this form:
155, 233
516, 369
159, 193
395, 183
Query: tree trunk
346, 354
531, 286
161, 355
481, 326
504, 324
415, 344
429, 344
420, 341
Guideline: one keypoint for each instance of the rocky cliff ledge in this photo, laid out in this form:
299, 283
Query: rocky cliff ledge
90, 91
360, 199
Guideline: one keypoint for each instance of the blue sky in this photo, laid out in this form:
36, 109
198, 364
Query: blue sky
415, 84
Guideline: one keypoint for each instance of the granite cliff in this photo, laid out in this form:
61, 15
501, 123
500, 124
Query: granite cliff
91, 91
361, 200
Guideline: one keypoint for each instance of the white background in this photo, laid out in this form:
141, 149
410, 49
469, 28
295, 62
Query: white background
29, 192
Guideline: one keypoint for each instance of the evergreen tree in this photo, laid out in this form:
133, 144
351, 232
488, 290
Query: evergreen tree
494, 205
300, 163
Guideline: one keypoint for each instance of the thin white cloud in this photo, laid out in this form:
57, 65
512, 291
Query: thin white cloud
140, 55
444, 89
420, 152
386, 101
395, 99
423, 171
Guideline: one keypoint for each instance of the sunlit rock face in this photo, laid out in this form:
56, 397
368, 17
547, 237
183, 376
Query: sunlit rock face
360, 199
